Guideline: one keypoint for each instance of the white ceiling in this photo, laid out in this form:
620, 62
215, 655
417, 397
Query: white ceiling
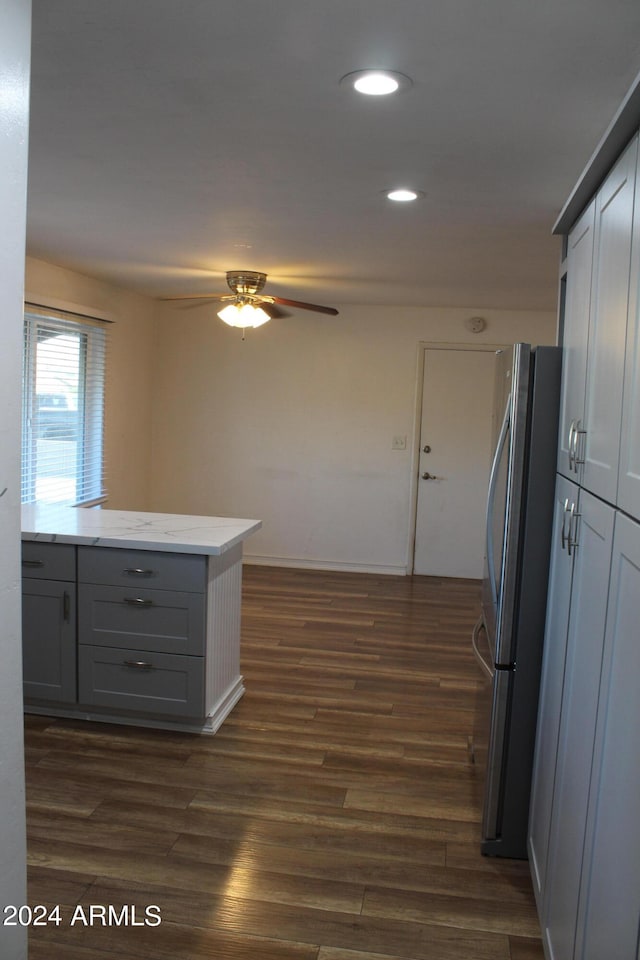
173, 140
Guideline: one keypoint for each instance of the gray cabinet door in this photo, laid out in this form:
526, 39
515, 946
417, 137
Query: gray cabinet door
575, 337
609, 920
49, 640
555, 648
583, 663
607, 327
629, 467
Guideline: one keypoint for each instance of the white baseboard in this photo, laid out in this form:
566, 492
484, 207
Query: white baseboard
221, 710
209, 726
292, 562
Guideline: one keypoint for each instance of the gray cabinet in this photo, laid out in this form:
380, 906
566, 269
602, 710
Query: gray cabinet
609, 914
575, 339
148, 637
584, 838
607, 328
141, 640
586, 842
629, 469
581, 681
49, 622
594, 333
551, 682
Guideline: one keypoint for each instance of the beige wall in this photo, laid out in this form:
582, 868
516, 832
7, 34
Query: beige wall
128, 411
294, 425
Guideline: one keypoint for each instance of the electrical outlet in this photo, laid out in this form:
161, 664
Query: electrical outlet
399, 442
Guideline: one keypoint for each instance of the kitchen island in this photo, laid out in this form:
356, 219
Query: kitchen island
132, 617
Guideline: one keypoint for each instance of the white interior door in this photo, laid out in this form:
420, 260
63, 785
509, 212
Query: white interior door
456, 441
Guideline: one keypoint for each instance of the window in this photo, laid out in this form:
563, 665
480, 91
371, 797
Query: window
63, 407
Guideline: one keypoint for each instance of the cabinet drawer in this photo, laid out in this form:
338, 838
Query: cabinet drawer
165, 621
48, 561
133, 679
149, 568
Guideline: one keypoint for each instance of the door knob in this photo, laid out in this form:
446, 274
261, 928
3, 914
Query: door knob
428, 476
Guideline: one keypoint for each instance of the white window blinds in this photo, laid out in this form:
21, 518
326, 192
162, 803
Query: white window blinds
63, 407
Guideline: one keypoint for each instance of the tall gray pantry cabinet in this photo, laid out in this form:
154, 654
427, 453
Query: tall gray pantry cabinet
584, 829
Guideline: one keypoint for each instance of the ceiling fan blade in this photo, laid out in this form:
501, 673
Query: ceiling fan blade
306, 306
201, 296
195, 304
275, 313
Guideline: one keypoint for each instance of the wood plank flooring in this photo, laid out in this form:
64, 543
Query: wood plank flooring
334, 816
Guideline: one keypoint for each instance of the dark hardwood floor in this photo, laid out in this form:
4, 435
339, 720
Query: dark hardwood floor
334, 816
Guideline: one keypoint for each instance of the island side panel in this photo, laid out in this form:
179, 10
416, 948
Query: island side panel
223, 684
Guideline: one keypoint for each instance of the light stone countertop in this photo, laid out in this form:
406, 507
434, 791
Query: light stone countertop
170, 532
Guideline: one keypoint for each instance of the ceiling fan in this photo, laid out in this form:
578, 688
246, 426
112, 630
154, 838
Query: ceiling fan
248, 306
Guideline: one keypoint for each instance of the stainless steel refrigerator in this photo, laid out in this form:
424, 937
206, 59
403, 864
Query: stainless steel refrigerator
509, 635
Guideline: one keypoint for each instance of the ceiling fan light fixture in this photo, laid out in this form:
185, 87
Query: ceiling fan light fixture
243, 315
376, 83
403, 195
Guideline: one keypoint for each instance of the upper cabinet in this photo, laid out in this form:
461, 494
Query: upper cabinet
596, 370
599, 445
575, 339
629, 470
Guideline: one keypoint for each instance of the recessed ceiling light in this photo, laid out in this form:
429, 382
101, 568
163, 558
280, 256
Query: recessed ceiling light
376, 83
403, 195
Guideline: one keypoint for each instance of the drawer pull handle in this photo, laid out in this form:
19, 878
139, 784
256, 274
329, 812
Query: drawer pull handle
138, 664
139, 572
138, 602
33, 563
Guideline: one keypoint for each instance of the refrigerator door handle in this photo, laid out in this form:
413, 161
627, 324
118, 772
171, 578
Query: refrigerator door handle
484, 664
495, 759
516, 450
491, 496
